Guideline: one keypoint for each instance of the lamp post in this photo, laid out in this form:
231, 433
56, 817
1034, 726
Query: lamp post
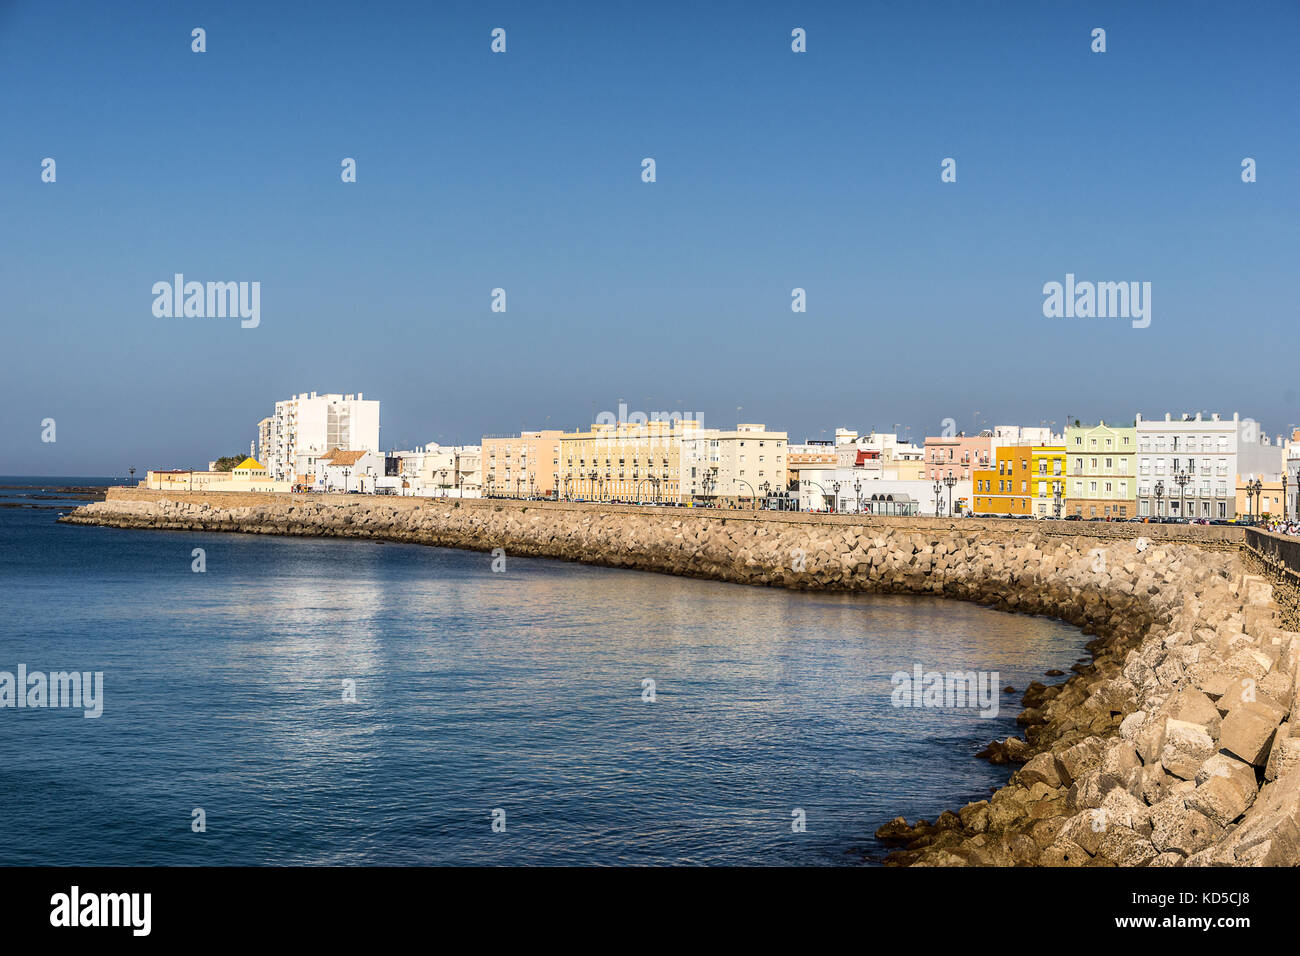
1181, 478
835, 499
857, 486
1285, 511
1160, 493
1056, 500
1253, 489
938, 501
132, 471
950, 481
766, 488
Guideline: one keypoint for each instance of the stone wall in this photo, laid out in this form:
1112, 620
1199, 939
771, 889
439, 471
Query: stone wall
1222, 537
1173, 747
1277, 557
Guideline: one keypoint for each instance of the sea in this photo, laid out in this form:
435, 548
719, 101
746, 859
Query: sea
288, 701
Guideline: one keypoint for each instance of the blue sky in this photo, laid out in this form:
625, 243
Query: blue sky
522, 171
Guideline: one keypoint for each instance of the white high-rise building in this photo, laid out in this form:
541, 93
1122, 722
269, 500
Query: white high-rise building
310, 425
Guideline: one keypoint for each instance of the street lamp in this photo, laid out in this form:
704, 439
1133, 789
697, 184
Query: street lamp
857, 486
950, 481
938, 500
1160, 493
1181, 478
1285, 510
1056, 500
1253, 489
835, 499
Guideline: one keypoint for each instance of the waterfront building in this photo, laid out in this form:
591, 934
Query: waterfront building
522, 466
1101, 471
883, 453
248, 475
264, 430
850, 491
625, 461
1292, 470
1266, 502
450, 471
309, 425
349, 470
958, 456
730, 467
811, 454
1025, 480
185, 479
1190, 467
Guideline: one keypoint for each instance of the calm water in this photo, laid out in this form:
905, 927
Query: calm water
475, 690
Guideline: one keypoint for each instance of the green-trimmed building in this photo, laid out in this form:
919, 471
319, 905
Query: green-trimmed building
1101, 471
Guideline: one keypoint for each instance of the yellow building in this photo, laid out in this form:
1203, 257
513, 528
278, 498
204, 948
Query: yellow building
1267, 503
624, 461
1025, 480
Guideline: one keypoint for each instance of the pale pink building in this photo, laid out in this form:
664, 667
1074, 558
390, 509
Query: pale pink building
957, 456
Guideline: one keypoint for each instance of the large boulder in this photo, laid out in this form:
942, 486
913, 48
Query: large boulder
1186, 747
1225, 789
1248, 729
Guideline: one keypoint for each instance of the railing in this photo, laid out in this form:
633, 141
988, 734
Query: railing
1281, 551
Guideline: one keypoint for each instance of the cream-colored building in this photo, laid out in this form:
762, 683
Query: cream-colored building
181, 479
625, 461
451, 471
733, 467
526, 466
248, 475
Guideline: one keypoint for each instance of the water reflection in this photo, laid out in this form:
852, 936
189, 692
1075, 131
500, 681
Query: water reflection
478, 690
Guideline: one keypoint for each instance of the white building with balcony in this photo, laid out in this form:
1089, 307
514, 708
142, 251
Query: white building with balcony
1188, 467
310, 425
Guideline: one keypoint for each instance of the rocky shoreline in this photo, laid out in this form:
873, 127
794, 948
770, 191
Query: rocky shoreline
1172, 747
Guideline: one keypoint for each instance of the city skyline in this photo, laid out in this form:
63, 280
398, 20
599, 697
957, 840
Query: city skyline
775, 171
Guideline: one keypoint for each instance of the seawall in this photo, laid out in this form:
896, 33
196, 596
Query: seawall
1173, 747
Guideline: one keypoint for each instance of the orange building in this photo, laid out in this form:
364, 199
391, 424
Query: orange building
1004, 489
1028, 480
